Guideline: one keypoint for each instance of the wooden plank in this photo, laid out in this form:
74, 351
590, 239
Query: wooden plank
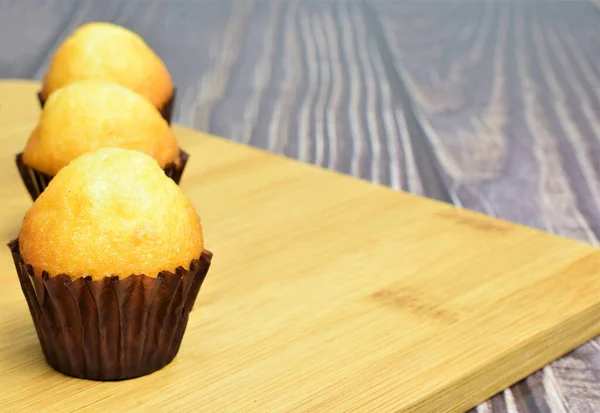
327, 293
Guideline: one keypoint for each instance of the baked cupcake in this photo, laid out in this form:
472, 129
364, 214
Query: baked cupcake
105, 51
89, 115
111, 258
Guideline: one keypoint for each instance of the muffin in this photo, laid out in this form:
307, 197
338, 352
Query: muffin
88, 115
104, 51
111, 259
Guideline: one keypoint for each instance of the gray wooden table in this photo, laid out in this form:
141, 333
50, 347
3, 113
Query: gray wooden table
492, 105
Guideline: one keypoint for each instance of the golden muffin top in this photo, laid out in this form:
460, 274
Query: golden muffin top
106, 51
92, 114
111, 212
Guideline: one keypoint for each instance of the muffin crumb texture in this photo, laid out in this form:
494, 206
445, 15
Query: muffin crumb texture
89, 115
111, 212
106, 51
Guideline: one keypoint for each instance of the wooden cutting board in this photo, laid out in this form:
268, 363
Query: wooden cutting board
326, 293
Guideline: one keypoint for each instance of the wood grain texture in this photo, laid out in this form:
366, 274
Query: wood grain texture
363, 298
509, 94
300, 78
492, 105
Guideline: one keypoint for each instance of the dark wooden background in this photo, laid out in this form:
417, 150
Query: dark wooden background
492, 105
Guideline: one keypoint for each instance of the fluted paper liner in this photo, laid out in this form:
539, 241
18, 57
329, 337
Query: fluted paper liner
110, 329
36, 181
166, 110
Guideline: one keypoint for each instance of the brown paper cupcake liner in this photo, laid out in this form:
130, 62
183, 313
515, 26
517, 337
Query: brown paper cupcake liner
110, 329
175, 170
36, 181
166, 111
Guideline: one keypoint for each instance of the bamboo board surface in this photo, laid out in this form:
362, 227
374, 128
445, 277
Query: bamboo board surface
326, 294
